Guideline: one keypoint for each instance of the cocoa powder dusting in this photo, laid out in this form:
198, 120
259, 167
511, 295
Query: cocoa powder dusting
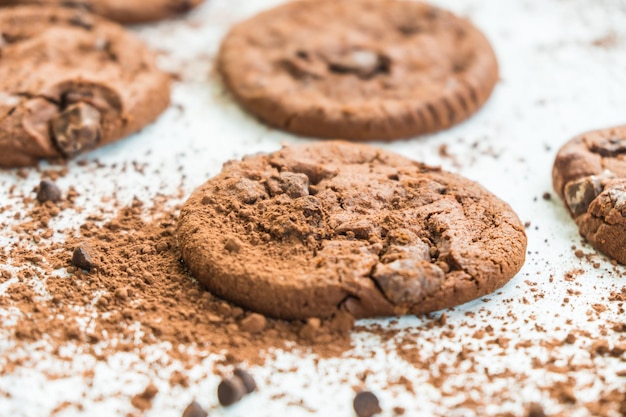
136, 292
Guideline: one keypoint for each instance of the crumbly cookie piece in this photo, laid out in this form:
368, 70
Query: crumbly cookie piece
310, 230
589, 174
122, 11
71, 81
358, 69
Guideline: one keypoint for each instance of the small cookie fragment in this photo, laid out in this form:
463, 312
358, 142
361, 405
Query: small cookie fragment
337, 229
366, 404
589, 174
358, 69
48, 191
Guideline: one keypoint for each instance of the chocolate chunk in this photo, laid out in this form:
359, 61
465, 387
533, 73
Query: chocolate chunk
76, 128
293, 184
608, 147
82, 258
405, 281
366, 404
246, 378
364, 64
194, 410
48, 191
580, 193
231, 390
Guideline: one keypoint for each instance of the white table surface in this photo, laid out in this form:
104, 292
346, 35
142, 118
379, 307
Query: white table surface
563, 72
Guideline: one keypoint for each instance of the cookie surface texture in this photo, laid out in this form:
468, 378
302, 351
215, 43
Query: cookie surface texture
589, 174
358, 69
310, 230
71, 82
122, 11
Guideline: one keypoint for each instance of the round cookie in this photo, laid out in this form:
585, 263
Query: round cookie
123, 11
358, 69
70, 82
310, 230
589, 174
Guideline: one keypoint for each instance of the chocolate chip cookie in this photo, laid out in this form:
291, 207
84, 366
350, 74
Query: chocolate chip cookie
70, 82
358, 69
310, 230
123, 11
589, 174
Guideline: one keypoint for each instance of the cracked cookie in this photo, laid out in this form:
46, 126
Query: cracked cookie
358, 69
589, 174
122, 11
71, 82
310, 230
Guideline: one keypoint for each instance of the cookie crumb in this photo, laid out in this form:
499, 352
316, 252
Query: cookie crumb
254, 323
143, 401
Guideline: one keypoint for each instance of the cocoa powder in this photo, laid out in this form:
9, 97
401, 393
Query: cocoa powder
136, 278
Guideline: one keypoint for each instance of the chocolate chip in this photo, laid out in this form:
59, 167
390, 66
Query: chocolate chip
76, 128
231, 390
580, 193
366, 404
82, 258
48, 191
535, 410
246, 378
364, 64
194, 410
